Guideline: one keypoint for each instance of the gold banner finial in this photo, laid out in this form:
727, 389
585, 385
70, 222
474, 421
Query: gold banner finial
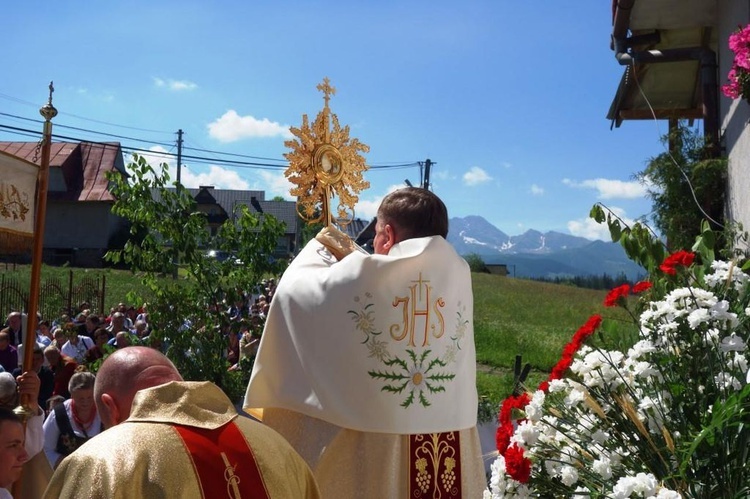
324, 162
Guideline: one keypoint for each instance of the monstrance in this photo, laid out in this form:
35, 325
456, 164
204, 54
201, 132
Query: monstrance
324, 162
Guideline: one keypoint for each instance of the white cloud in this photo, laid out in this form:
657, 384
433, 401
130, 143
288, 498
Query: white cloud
610, 189
588, 228
221, 178
175, 85
366, 209
476, 176
442, 175
276, 184
231, 127
536, 190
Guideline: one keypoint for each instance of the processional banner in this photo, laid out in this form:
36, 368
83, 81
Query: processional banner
17, 190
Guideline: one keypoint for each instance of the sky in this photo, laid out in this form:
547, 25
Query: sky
508, 99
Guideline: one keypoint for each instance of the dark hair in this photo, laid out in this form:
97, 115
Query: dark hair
414, 212
8, 415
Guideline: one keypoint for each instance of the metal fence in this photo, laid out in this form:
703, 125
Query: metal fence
56, 296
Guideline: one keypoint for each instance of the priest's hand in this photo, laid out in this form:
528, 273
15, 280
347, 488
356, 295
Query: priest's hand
338, 243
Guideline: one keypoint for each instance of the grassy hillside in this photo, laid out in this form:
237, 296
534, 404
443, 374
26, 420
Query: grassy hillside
533, 319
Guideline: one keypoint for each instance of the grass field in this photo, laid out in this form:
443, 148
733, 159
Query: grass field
511, 317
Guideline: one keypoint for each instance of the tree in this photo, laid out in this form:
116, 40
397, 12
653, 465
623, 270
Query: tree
686, 187
476, 263
189, 316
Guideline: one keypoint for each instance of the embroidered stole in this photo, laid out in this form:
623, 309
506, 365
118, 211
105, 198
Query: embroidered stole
223, 462
435, 465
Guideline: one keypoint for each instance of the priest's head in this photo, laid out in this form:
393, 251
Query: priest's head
12, 450
123, 374
409, 213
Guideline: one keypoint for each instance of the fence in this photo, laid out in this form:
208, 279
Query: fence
56, 297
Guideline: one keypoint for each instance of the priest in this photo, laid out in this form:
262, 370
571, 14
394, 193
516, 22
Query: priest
170, 438
367, 363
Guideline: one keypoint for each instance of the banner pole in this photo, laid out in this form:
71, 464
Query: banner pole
48, 111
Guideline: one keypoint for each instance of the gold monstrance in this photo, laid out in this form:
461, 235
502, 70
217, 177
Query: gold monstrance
324, 162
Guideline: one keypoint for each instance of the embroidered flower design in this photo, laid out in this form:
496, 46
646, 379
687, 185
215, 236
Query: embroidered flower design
415, 375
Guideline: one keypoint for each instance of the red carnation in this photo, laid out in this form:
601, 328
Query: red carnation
502, 437
517, 466
571, 348
681, 258
640, 287
613, 297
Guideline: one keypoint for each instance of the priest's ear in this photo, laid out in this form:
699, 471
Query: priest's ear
108, 411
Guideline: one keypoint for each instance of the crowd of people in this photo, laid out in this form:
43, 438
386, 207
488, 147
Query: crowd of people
69, 350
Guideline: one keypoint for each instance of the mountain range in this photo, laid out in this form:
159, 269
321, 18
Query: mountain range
540, 255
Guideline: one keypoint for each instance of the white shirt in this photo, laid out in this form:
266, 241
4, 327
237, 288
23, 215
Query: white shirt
52, 432
77, 351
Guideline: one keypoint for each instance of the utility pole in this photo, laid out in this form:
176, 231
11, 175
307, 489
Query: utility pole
179, 155
176, 260
427, 165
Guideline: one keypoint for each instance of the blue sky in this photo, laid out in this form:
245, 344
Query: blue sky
507, 98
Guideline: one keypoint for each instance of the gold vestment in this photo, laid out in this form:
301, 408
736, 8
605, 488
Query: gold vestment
144, 457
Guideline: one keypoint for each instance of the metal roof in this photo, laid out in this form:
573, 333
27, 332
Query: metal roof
77, 169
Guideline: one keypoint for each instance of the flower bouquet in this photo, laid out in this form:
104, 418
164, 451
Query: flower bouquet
739, 74
666, 416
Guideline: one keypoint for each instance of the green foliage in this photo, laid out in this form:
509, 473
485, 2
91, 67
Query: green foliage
678, 208
190, 316
476, 263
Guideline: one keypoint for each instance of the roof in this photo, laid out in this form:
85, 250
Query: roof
229, 200
80, 168
659, 42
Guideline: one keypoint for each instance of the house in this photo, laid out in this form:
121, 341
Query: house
220, 205
675, 57
79, 225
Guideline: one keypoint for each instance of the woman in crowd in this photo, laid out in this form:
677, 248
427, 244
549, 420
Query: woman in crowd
73, 422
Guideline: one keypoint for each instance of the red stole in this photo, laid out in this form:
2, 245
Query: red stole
435, 465
223, 462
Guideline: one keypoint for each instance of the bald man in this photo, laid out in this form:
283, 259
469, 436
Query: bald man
168, 438
367, 363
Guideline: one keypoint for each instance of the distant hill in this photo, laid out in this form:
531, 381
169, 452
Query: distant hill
536, 254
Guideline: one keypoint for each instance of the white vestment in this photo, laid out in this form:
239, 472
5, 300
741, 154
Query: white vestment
365, 352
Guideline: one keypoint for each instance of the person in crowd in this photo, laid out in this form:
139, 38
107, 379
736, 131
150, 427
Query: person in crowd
118, 323
62, 367
233, 349
44, 335
13, 454
141, 329
90, 325
59, 337
36, 472
123, 339
45, 375
164, 437
53, 402
8, 353
101, 337
15, 328
249, 342
77, 346
364, 358
73, 422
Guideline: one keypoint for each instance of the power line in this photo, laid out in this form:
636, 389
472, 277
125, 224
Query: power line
8, 97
